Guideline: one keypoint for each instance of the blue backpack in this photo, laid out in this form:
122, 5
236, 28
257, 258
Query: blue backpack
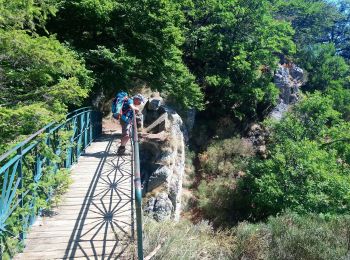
118, 103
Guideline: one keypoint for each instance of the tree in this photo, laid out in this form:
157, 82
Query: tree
39, 77
26, 14
308, 167
302, 177
311, 20
130, 43
232, 48
40, 69
340, 31
324, 67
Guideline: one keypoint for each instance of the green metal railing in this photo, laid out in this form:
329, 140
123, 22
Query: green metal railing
25, 165
138, 189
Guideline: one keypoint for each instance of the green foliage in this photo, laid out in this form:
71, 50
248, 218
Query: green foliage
324, 68
309, 237
307, 170
289, 236
225, 158
18, 122
231, 47
57, 183
26, 14
293, 236
309, 117
302, 177
39, 77
340, 32
189, 178
221, 202
311, 20
40, 69
341, 97
130, 43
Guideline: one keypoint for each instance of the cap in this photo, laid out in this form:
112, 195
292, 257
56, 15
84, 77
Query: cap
140, 97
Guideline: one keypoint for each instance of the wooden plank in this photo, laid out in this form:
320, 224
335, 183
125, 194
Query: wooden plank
158, 121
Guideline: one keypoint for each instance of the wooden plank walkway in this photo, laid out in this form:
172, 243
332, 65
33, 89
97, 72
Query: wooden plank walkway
95, 218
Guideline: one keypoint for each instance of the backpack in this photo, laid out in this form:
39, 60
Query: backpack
117, 104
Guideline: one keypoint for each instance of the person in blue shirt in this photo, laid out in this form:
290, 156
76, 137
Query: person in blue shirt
126, 119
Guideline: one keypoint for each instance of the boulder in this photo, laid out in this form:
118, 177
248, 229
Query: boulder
257, 135
154, 104
159, 207
159, 177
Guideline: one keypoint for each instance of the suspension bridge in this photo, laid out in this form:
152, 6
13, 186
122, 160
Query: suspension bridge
99, 217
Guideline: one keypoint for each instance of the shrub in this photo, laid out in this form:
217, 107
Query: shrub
190, 172
307, 169
341, 97
221, 164
251, 241
226, 157
289, 236
294, 236
221, 202
325, 68
299, 176
183, 240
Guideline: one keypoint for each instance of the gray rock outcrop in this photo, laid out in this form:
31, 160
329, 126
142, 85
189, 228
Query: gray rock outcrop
163, 161
159, 207
154, 104
257, 135
288, 78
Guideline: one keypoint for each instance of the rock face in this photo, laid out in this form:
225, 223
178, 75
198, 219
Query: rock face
154, 104
162, 161
159, 207
288, 78
257, 135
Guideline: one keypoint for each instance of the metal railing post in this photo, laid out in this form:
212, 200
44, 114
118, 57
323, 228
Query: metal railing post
90, 127
21, 192
138, 190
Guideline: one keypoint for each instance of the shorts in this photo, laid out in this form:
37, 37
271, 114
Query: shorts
125, 128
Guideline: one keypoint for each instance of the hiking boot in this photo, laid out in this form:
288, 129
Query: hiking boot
121, 150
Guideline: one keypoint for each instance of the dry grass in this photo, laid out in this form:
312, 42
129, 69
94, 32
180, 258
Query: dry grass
290, 237
183, 240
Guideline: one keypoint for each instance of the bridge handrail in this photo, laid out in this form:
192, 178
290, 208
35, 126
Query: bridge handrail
75, 112
69, 117
23, 143
138, 189
85, 125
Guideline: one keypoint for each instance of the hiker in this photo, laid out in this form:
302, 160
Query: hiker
129, 104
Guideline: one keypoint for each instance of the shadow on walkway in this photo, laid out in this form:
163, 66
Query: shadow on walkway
104, 226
